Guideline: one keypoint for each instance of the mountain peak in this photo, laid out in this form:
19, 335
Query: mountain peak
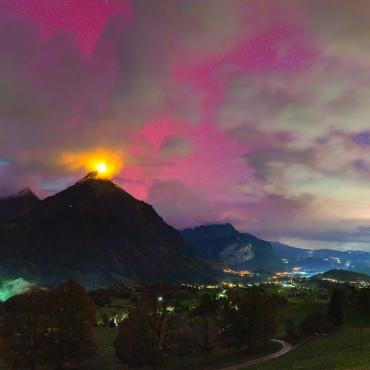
25, 192
219, 229
93, 175
18, 205
95, 230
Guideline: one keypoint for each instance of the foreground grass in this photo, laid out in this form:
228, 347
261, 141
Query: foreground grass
347, 349
106, 358
297, 310
221, 358
340, 351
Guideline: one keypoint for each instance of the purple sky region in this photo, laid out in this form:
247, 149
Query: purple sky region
250, 112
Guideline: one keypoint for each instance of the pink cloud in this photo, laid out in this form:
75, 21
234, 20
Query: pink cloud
84, 19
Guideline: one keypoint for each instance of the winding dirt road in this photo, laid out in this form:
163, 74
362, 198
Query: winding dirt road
285, 348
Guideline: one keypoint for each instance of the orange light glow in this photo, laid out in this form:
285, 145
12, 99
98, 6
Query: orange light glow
101, 168
104, 162
240, 273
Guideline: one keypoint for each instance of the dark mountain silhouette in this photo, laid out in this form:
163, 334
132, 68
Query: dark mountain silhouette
321, 260
17, 205
224, 245
344, 276
96, 232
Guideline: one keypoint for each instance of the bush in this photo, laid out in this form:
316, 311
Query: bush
291, 330
137, 343
318, 323
49, 328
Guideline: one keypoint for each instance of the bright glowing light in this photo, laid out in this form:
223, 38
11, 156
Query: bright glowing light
101, 168
104, 162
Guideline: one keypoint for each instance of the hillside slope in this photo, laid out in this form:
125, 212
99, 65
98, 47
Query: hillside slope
223, 244
94, 231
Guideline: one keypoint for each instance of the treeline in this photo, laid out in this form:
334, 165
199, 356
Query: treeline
342, 298
152, 336
48, 328
55, 329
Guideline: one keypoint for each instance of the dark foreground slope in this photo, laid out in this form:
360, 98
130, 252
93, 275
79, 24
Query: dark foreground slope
96, 232
226, 246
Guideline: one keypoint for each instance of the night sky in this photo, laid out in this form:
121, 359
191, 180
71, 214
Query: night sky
250, 112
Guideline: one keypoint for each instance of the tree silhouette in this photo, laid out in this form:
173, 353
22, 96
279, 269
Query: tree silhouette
24, 332
248, 319
49, 328
73, 313
137, 342
335, 309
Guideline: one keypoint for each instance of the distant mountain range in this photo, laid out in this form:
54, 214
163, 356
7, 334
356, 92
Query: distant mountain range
344, 276
321, 260
93, 231
224, 246
96, 232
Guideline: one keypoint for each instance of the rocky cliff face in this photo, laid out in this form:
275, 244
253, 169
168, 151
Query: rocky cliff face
223, 244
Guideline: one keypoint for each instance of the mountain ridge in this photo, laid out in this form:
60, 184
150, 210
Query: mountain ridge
223, 244
93, 230
344, 276
320, 260
18, 204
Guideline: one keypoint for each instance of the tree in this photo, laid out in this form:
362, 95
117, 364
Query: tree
49, 328
317, 323
335, 309
248, 319
161, 324
291, 330
72, 334
105, 319
206, 305
363, 299
101, 297
235, 328
137, 342
197, 335
24, 332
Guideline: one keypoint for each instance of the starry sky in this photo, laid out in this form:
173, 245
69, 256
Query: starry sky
254, 112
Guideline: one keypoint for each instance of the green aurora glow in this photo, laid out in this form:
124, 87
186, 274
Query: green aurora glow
10, 288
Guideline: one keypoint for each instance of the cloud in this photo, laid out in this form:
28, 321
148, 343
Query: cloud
342, 26
329, 95
252, 112
181, 205
175, 146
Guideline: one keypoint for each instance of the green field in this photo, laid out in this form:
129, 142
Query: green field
297, 309
347, 349
106, 358
340, 351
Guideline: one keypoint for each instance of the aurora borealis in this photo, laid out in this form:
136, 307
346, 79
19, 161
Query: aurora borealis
253, 112
9, 288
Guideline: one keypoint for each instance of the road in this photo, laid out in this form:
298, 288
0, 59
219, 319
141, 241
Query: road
285, 348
